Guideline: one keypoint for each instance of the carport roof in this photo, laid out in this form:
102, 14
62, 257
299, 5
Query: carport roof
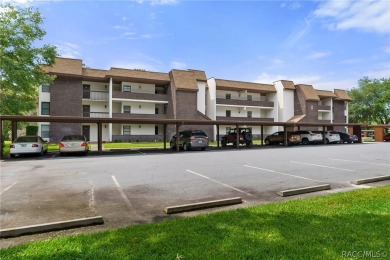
67, 119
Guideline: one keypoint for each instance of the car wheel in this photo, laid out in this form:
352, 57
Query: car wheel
41, 153
327, 140
186, 147
12, 155
62, 154
248, 136
203, 149
305, 141
172, 146
248, 144
267, 142
224, 142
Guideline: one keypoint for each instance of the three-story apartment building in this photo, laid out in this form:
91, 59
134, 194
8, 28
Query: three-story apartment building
178, 94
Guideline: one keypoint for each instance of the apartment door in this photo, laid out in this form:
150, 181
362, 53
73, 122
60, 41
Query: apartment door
86, 111
86, 131
87, 91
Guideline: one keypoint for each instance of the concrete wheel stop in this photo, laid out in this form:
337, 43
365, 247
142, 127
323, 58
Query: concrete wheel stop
298, 191
53, 226
202, 205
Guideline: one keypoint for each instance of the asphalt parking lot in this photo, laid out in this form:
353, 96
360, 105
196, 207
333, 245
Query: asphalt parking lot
134, 187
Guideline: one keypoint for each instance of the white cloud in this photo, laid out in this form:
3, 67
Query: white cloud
317, 55
26, 3
317, 81
295, 36
157, 2
178, 65
68, 50
371, 16
386, 49
291, 5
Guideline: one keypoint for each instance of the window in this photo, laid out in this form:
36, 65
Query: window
249, 114
156, 110
127, 109
228, 96
156, 130
45, 131
45, 108
228, 113
46, 88
249, 97
126, 88
126, 130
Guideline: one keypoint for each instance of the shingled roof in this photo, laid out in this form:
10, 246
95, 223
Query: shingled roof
65, 66
184, 80
138, 74
223, 84
309, 93
325, 94
342, 95
288, 84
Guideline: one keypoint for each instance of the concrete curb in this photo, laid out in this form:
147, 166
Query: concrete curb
19, 231
292, 192
368, 180
202, 205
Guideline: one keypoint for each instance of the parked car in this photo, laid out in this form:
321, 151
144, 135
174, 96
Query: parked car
346, 138
332, 137
190, 139
245, 137
74, 144
28, 145
386, 137
309, 137
278, 137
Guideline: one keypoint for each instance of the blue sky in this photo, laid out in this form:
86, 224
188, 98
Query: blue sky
329, 44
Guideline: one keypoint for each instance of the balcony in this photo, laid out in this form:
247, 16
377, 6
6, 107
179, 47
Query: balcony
326, 108
96, 114
95, 95
249, 119
238, 102
140, 96
137, 116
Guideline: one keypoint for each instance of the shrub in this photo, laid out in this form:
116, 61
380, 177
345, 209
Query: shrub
31, 130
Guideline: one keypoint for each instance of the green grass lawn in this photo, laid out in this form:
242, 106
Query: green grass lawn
327, 227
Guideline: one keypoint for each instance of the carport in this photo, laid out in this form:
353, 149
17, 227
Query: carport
165, 122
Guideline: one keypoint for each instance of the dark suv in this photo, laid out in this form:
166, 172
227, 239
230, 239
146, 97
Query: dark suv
278, 137
191, 139
245, 137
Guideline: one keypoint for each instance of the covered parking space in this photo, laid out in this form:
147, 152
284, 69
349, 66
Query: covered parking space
287, 126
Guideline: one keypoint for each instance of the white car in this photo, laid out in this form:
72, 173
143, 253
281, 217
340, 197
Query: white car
28, 145
310, 137
332, 137
74, 144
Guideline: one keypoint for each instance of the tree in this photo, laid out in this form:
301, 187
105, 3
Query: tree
371, 101
20, 60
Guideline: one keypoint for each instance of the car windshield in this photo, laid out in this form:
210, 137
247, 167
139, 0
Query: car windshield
73, 138
26, 139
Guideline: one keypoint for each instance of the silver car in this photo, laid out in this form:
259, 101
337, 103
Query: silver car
190, 139
74, 144
28, 145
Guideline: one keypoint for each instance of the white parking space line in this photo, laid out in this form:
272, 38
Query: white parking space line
53, 156
224, 184
359, 162
324, 166
370, 156
287, 174
91, 193
123, 194
9, 187
141, 152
